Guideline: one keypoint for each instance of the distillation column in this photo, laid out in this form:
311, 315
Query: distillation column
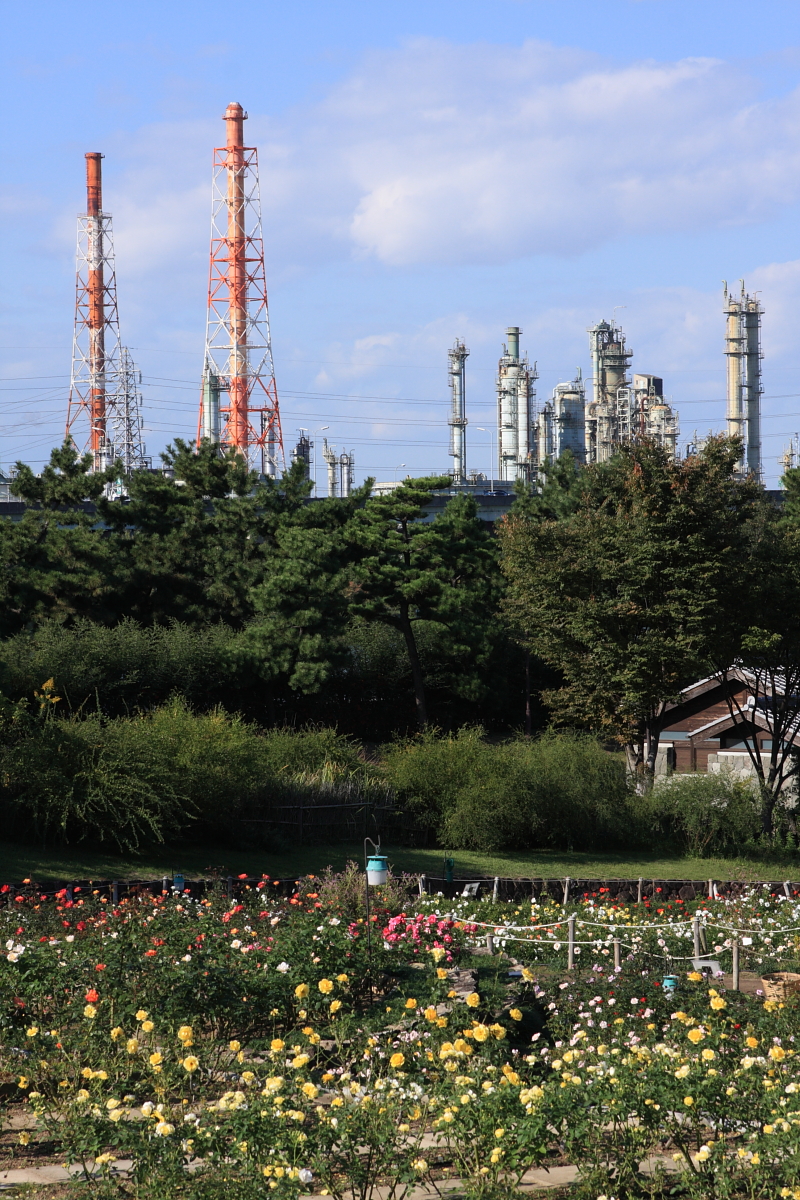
332, 463
743, 355
347, 472
569, 406
608, 416
456, 372
515, 425
751, 334
734, 413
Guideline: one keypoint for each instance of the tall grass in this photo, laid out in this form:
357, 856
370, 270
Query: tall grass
159, 775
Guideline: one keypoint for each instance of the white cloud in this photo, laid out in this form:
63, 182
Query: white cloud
480, 152
436, 152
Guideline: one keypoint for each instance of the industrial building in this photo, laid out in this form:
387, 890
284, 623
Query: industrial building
590, 426
591, 418
708, 727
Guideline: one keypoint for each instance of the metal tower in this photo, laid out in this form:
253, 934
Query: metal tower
743, 354
127, 436
103, 383
515, 419
456, 372
239, 405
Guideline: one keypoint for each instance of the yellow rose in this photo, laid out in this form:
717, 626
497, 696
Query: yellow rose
717, 1003
300, 1061
688, 1101
441, 973
335, 1005
141, 1015
186, 1035
190, 1063
515, 1014
156, 1059
473, 1000
480, 1033
695, 976
777, 1053
397, 1060
90, 1011
132, 1046
325, 986
752, 1042
695, 1035
147, 1026
341, 978
235, 1046
301, 991
411, 1002
310, 1090
430, 1013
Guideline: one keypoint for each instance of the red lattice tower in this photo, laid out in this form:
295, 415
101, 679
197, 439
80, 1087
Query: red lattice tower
105, 405
239, 405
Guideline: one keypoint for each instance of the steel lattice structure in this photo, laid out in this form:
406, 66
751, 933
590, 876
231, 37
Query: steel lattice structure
239, 404
127, 436
103, 386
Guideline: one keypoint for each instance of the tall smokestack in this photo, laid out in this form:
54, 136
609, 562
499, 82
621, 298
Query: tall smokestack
96, 307
238, 372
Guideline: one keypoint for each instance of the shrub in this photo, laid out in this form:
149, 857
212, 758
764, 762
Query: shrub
707, 814
560, 791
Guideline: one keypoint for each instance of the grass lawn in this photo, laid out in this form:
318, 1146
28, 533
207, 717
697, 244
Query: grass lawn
18, 862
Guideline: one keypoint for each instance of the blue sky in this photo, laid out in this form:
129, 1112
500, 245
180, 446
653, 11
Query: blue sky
428, 171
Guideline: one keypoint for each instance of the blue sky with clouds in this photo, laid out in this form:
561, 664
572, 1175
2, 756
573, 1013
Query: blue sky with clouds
428, 171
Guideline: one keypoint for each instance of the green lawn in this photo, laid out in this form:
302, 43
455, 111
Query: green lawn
65, 864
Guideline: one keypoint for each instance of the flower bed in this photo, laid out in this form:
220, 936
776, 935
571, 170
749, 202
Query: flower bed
272, 1047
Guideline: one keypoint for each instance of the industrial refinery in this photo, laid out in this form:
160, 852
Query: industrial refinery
238, 395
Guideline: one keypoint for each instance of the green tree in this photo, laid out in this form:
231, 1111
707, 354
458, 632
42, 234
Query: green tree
407, 570
766, 660
53, 563
300, 601
630, 598
188, 543
555, 494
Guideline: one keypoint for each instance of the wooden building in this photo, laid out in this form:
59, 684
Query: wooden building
706, 728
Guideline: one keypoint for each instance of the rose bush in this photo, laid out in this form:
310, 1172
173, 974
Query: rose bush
266, 1044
